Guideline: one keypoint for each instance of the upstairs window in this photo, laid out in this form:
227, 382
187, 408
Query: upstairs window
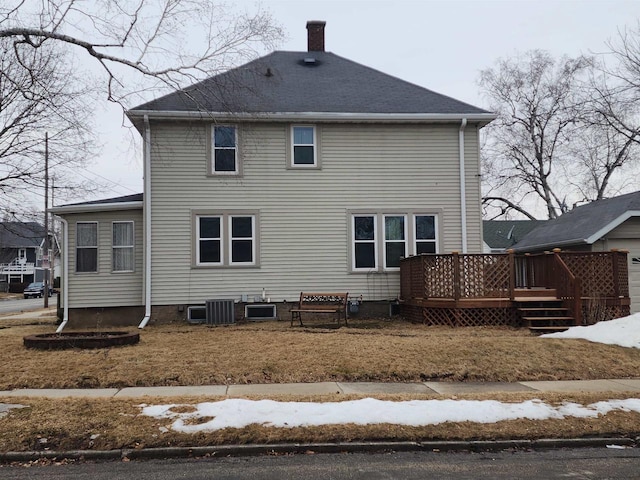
304, 148
86, 247
123, 247
225, 150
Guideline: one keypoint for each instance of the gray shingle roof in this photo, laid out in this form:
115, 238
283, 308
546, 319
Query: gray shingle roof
505, 233
577, 226
283, 82
136, 197
20, 234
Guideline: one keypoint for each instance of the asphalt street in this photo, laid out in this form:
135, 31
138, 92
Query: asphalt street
584, 463
22, 304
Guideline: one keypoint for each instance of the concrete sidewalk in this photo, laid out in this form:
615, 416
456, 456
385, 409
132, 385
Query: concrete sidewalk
325, 388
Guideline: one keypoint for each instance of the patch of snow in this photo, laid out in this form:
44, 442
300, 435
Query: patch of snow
624, 332
5, 407
238, 413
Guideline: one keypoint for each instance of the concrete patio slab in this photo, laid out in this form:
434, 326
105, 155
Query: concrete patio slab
456, 388
569, 386
382, 388
178, 391
321, 388
62, 392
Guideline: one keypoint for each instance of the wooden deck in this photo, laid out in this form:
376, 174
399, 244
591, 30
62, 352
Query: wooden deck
553, 290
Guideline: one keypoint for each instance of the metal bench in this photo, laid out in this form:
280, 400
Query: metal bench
317, 303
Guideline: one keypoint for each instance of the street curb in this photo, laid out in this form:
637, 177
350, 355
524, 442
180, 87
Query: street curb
302, 448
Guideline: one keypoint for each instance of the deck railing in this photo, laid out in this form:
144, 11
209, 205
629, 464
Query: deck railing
466, 276
17, 267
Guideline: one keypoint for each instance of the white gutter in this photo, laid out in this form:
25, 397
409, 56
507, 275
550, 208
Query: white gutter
463, 186
65, 275
146, 199
96, 207
315, 116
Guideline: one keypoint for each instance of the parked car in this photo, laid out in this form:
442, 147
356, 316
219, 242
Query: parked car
36, 289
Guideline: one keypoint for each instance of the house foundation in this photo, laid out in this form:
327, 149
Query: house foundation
102, 317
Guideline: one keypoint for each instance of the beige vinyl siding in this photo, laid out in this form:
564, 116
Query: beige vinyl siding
104, 288
629, 229
304, 219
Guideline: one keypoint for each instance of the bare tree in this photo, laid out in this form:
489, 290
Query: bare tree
59, 57
168, 43
36, 96
536, 98
601, 160
615, 98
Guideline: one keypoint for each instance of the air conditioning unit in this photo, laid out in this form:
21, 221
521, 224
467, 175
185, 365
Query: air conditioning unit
220, 312
260, 311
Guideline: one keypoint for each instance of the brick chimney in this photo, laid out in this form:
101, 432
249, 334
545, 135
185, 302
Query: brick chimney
315, 35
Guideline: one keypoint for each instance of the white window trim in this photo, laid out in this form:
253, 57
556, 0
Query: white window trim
225, 239
232, 238
199, 238
132, 247
96, 247
379, 235
314, 145
385, 241
374, 241
212, 159
436, 227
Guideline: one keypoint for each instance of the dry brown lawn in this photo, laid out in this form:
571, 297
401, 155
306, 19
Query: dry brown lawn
273, 352
105, 424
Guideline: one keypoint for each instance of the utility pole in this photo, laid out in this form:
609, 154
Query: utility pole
45, 256
52, 225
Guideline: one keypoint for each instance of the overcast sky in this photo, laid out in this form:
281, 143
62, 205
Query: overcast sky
437, 44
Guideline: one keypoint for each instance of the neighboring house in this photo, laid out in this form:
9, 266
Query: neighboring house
602, 225
501, 235
21, 246
299, 171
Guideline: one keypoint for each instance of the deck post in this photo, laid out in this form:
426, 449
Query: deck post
512, 274
528, 270
423, 275
577, 302
456, 276
616, 273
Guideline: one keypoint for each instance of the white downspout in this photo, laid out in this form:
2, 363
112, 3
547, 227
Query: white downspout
463, 186
65, 275
146, 208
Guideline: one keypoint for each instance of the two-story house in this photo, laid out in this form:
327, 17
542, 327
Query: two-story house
299, 171
20, 251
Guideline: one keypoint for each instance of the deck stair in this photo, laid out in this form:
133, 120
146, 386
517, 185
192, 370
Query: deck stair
542, 311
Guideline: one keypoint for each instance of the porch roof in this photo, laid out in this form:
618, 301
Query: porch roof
583, 225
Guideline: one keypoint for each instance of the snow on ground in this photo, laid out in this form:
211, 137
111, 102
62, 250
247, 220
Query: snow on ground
623, 331
239, 413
